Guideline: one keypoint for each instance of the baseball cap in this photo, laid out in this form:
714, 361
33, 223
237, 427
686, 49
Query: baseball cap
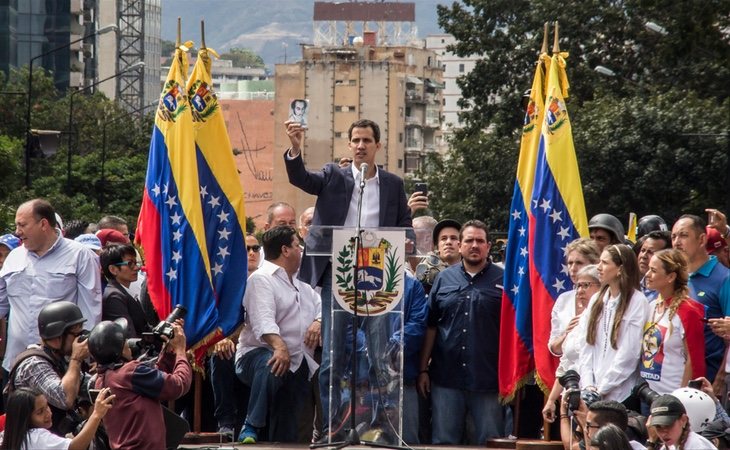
10, 241
665, 410
109, 235
446, 223
715, 241
89, 240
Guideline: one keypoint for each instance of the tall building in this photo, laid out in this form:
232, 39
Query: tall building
454, 67
30, 28
355, 73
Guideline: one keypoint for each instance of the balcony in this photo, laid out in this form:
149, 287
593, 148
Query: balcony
413, 120
414, 145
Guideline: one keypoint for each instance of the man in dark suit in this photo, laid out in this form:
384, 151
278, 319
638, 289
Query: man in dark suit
119, 264
384, 204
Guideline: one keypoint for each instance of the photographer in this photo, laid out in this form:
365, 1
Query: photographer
589, 418
137, 421
45, 368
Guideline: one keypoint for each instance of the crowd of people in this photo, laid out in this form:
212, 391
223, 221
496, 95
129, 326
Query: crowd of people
644, 323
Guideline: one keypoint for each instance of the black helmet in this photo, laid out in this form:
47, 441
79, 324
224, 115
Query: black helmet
609, 223
650, 223
55, 318
106, 341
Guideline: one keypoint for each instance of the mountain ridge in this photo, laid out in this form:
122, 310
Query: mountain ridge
273, 29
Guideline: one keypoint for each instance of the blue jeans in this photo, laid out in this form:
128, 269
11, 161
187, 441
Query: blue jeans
336, 346
450, 407
409, 415
277, 398
230, 396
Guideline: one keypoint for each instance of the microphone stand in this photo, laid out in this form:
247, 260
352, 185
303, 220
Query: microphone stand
352, 437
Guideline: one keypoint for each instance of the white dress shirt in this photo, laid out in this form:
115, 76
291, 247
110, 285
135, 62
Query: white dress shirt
561, 315
276, 305
614, 371
370, 201
28, 282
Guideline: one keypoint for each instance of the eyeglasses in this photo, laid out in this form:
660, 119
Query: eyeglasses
585, 285
253, 248
130, 264
590, 425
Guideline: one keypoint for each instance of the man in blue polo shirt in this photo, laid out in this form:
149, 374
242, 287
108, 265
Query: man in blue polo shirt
462, 343
709, 283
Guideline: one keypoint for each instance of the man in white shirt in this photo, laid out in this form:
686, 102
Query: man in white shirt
275, 349
47, 268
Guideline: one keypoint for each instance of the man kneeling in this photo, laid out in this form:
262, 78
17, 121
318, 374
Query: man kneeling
282, 328
137, 420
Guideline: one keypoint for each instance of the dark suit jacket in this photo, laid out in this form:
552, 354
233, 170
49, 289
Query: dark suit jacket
116, 302
333, 187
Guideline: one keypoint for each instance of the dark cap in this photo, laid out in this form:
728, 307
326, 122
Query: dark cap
665, 410
446, 223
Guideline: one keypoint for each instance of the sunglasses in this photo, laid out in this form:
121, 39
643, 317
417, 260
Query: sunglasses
130, 264
254, 248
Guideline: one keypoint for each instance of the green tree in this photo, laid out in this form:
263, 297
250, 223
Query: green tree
624, 126
127, 142
244, 57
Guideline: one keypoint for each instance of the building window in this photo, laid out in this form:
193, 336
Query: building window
400, 138
338, 134
338, 108
461, 68
352, 82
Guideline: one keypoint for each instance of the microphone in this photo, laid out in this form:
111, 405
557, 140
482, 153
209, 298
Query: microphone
363, 171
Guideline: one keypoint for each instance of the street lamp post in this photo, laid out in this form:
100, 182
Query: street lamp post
28, 131
102, 181
135, 66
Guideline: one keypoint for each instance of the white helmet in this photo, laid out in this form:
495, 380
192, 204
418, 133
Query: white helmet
700, 407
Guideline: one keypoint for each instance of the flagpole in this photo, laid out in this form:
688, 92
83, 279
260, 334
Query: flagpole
202, 34
545, 31
556, 44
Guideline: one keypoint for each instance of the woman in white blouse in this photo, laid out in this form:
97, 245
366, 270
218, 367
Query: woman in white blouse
586, 285
568, 308
609, 360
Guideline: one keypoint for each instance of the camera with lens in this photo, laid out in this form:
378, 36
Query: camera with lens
83, 335
164, 328
644, 392
427, 270
571, 383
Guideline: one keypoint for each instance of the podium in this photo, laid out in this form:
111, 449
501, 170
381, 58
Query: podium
363, 323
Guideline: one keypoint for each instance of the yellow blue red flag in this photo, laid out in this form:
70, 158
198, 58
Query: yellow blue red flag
516, 350
558, 216
172, 228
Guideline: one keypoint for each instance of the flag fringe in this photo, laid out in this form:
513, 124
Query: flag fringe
200, 348
506, 400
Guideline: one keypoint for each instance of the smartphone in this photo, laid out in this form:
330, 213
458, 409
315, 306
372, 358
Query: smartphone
93, 394
299, 111
421, 187
695, 384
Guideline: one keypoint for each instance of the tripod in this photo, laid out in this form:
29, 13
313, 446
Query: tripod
352, 437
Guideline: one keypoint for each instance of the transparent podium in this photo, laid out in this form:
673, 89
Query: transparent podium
362, 333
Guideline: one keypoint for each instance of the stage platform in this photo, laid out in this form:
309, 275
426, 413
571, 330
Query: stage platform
206, 441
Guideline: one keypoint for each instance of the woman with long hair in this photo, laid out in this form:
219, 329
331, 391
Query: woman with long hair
669, 427
614, 319
673, 346
586, 285
28, 418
